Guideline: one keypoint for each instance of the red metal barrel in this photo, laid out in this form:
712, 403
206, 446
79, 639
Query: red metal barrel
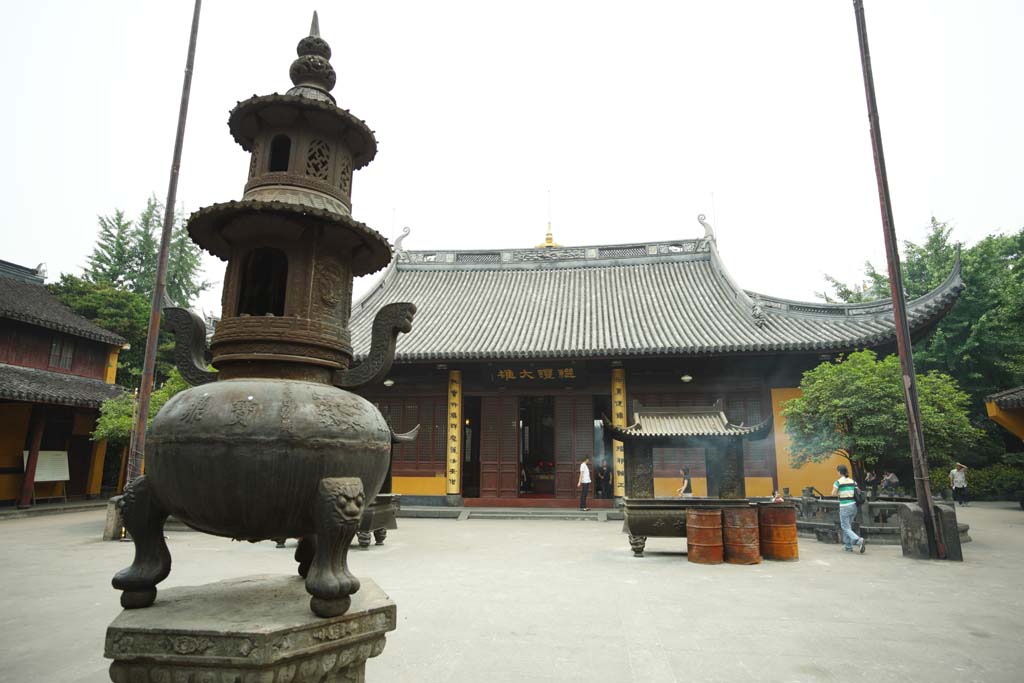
704, 536
778, 531
740, 535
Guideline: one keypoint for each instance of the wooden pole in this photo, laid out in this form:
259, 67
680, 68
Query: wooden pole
28, 484
135, 455
918, 455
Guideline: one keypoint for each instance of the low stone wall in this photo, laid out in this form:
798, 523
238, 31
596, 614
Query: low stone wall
876, 520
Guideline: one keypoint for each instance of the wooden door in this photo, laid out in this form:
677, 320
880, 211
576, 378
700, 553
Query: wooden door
574, 440
499, 447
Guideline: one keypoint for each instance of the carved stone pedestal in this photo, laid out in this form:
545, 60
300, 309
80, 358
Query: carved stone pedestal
249, 630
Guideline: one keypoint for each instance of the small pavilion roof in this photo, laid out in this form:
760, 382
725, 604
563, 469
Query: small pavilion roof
42, 386
613, 301
691, 421
1011, 398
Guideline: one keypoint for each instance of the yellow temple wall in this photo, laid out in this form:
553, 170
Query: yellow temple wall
669, 486
820, 475
14, 419
419, 486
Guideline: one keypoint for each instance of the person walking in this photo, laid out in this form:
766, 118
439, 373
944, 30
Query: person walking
844, 488
958, 482
583, 483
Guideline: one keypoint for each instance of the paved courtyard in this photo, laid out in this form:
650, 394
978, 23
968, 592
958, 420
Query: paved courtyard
547, 600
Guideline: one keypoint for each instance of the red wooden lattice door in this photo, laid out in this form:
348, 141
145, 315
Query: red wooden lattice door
574, 440
499, 447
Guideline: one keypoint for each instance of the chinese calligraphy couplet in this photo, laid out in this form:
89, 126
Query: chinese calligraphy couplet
454, 441
619, 420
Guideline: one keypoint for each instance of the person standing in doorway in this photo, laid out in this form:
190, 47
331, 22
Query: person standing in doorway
844, 488
604, 480
958, 482
686, 490
583, 483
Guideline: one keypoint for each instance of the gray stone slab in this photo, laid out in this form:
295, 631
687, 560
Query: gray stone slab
551, 600
248, 629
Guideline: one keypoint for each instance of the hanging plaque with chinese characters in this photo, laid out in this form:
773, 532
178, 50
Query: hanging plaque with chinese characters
534, 374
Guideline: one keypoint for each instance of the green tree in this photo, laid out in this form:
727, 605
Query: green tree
146, 248
125, 255
856, 406
115, 422
874, 287
111, 259
183, 266
980, 342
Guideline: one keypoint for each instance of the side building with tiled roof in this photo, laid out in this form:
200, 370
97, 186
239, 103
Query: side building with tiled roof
56, 368
1006, 409
516, 354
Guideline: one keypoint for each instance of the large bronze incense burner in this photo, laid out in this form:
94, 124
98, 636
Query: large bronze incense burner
273, 444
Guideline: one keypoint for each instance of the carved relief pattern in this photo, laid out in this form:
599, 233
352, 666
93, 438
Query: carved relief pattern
254, 159
318, 159
194, 413
244, 412
345, 177
548, 254
346, 663
332, 289
287, 412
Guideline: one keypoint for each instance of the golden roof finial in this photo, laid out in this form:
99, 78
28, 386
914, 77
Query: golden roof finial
549, 240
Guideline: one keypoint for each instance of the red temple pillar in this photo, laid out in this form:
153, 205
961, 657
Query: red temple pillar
36, 440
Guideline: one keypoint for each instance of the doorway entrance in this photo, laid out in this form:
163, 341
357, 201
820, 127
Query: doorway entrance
537, 447
471, 447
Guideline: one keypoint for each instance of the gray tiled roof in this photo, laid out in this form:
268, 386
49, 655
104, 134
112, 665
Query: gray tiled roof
32, 303
42, 386
666, 298
1011, 398
698, 421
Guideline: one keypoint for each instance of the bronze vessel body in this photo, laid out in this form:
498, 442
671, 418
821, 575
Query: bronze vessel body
274, 444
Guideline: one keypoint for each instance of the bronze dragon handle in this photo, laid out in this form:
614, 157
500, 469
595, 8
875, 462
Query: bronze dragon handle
190, 352
390, 321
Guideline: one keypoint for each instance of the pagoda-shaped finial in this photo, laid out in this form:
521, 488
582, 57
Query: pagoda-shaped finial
312, 72
549, 240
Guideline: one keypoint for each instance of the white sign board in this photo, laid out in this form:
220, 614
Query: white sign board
51, 466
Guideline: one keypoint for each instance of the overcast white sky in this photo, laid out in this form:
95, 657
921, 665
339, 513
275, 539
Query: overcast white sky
636, 116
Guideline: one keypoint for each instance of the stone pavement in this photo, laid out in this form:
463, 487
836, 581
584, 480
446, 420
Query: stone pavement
557, 600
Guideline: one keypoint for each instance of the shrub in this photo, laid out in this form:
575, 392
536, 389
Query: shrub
995, 482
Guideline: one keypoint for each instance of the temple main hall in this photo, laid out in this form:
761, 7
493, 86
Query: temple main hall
516, 356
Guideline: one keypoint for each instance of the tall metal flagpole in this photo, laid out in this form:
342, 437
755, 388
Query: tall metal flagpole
149, 364
918, 454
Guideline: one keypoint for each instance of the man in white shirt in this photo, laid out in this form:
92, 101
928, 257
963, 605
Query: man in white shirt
958, 482
583, 483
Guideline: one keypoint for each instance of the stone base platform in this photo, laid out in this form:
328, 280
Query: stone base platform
256, 629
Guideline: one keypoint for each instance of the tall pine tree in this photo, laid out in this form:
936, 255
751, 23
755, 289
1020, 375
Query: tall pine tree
111, 259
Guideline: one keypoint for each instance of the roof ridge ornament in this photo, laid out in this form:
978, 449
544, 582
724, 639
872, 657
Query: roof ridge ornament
398, 240
312, 69
709, 232
757, 311
549, 240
